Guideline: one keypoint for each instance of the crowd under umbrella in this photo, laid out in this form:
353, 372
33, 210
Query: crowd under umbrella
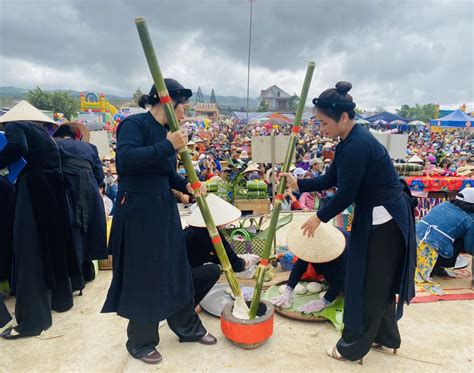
398, 122
416, 123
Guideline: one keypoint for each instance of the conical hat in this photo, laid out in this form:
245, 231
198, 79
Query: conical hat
222, 212
416, 159
251, 168
327, 244
75, 127
24, 111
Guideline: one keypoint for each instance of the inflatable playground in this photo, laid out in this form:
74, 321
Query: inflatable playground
96, 110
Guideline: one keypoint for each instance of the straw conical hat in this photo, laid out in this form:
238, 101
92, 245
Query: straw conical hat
251, 168
82, 132
24, 111
222, 212
327, 244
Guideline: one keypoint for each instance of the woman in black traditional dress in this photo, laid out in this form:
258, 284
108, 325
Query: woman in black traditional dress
381, 252
82, 168
44, 254
152, 278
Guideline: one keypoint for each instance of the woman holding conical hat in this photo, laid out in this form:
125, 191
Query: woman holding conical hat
152, 280
382, 248
44, 256
82, 167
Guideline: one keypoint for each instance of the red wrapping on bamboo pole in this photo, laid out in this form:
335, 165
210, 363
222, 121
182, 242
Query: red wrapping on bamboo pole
280, 190
165, 100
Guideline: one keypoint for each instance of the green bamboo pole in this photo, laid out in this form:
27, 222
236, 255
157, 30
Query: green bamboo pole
184, 154
277, 201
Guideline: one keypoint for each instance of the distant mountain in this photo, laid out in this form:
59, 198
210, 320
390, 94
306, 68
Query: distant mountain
231, 102
13, 91
22, 92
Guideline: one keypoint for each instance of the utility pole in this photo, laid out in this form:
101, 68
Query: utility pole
248, 66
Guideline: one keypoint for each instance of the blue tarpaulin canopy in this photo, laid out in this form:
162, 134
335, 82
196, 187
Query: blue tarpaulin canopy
456, 119
386, 116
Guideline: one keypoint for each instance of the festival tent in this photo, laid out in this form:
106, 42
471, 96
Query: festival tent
385, 116
456, 119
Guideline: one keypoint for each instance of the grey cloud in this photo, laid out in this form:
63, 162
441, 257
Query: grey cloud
387, 49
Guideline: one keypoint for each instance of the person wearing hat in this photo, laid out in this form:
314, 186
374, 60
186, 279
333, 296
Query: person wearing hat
201, 250
325, 253
381, 253
152, 280
82, 167
316, 166
443, 233
253, 172
327, 152
43, 250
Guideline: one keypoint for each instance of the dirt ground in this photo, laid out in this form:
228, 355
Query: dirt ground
436, 337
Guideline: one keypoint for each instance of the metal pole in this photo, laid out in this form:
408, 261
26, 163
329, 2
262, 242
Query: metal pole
248, 65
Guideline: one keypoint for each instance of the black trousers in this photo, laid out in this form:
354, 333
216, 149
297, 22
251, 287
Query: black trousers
186, 324
4, 314
385, 252
204, 278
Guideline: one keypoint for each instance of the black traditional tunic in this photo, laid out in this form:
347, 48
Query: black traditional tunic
364, 174
151, 275
201, 250
82, 167
42, 244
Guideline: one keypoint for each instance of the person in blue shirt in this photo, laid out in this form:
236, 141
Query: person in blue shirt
381, 253
443, 233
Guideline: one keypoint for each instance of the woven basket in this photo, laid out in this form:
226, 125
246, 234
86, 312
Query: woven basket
254, 246
106, 264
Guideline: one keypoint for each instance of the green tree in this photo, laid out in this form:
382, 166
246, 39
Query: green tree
63, 102
418, 112
263, 106
39, 99
294, 100
58, 102
136, 96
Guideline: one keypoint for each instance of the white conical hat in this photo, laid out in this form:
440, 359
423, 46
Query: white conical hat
222, 212
327, 244
416, 159
24, 111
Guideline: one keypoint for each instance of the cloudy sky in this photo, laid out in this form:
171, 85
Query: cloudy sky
393, 52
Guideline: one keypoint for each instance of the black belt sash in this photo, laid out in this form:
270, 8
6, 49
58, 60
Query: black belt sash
83, 169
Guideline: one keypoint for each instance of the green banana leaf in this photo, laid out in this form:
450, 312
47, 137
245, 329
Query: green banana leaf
281, 223
334, 313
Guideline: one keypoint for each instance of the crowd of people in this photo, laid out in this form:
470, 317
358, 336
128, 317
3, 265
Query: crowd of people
65, 194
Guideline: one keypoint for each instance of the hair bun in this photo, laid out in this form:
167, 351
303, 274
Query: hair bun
343, 87
143, 101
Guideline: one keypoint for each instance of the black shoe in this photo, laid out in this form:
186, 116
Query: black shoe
153, 357
208, 339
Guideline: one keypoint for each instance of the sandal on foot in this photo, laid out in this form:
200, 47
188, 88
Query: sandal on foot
334, 353
379, 346
7, 334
